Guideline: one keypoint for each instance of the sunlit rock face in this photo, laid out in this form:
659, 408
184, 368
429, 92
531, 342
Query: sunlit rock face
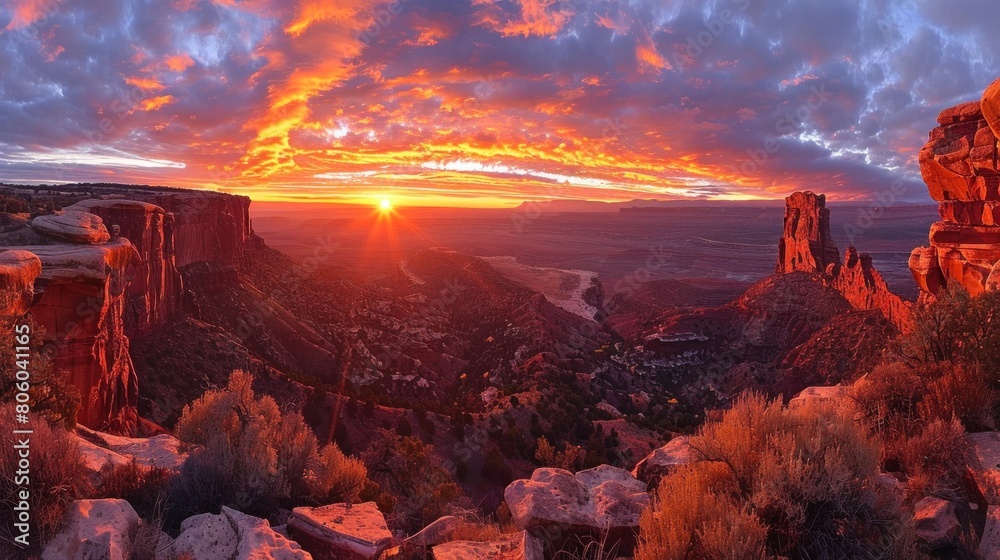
81, 310
806, 244
155, 291
18, 271
959, 163
208, 227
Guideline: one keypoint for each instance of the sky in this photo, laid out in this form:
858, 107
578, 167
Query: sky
487, 102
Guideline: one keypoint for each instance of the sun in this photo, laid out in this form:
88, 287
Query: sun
385, 205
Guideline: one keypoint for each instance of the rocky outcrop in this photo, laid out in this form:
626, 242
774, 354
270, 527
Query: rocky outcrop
984, 464
935, 522
81, 309
959, 164
864, 288
440, 531
603, 502
235, 536
663, 461
155, 292
95, 529
519, 546
341, 531
208, 227
18, 271
160, 451
72, 226
806, 244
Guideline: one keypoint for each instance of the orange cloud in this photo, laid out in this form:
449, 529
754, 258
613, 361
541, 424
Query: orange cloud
539, 18
155, 103
144, 83
648, 57
27, 12
179, 63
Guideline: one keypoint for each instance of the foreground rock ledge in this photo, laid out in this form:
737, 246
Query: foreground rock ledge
233, 535
519, 546
95, 529
341, 531
601, 502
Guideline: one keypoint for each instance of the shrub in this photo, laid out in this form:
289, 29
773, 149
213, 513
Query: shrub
58, 477
407, 469
145, 488
796, 482
254, 458
52, 396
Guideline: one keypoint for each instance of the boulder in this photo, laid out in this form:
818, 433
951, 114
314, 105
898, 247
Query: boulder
438, 532
604, 501
95, 529
233, 535
18, 271
989, 545
73, 226
663, 461
838, 395
935, 522
519, 546
341, 531
984, 464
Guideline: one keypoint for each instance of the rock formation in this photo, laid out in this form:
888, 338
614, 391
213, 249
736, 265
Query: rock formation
232, 534
603, 502
518, 546
95, 529
81, 309
155, 291
18, 271
341, 531
662, 461
959, 163
72, 227
806, 244
208, 227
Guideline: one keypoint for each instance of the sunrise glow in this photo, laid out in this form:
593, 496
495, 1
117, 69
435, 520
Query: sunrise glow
482, 103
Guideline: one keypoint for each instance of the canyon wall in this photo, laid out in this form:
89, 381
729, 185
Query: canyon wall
807, 246
155, 291
959, 163
103, 270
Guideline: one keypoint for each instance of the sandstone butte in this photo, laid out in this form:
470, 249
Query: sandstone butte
104, 270
807, 246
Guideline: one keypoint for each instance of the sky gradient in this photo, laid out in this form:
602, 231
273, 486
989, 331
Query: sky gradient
487, 102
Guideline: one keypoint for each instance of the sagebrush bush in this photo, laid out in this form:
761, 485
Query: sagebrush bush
770, 481
254, 458
58, 476
145, 488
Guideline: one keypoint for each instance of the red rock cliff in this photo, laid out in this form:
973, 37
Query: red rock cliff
807, 246
155, 289
208, 226
81, 309
959, 163
18, 271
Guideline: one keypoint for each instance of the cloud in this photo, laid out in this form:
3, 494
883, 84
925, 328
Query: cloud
493, 99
